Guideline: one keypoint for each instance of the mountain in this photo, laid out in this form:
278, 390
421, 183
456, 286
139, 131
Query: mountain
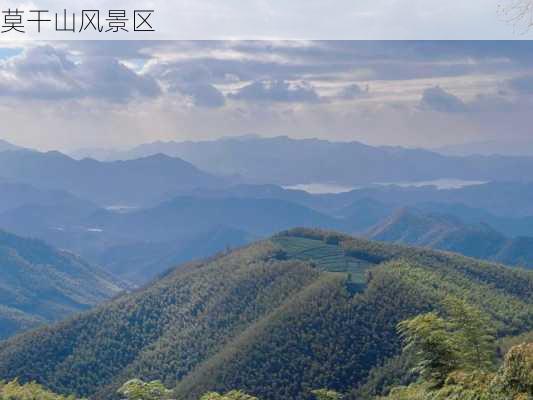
445, 232
118, 183
507, 199
137, 245
149, 241
505, 205
510, 226
41, 284
489, 147
286, 161
6, 146
188, 214
14, 195
140, 262
363, 214
302, 310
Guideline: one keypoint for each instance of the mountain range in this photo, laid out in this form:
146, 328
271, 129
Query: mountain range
6, 146
302, 310
131, 183
139, 244
445, 232
286, 161
41, 284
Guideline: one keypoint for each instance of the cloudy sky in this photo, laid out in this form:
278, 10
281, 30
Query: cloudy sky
66, 95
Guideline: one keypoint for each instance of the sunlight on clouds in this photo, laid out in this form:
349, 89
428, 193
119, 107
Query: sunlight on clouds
79, 94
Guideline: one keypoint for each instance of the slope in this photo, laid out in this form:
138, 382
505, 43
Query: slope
445, 232
133, 182
277, 318
39, 283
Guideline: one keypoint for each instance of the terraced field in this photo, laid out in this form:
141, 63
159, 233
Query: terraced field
329, 257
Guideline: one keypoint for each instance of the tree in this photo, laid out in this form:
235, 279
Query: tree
428, 337
472, 333
30, 391
233, 395
325, 394
137, 389
517, 369
518, 12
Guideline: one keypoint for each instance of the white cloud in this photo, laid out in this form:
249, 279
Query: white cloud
72, 94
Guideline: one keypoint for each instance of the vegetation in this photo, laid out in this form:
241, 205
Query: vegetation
13, 390
232, 395
136, 389
466, 369
40, 284
277, 320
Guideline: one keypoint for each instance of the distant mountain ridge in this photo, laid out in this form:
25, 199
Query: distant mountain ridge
286, 161
133, 182
41, 284
6, 146
445, 232
14, 195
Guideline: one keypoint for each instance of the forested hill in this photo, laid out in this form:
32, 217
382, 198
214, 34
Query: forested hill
303, 310
446, 232
41, 284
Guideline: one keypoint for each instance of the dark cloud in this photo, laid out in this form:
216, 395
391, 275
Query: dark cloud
289, 60
49, 73
277, 92
192, 80
204, 95
437, 99
352, 91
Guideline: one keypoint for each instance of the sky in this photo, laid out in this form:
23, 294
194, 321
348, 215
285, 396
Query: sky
75, 94
298, 19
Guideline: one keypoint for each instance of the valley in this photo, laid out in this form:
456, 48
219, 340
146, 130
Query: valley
213, 283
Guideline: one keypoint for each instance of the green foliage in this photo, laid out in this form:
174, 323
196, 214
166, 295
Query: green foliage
428, 336
325, 394
472, 331
136, 389
231, 395
395, 371
470, 378
461, 341
268, 321
326, 253
505, 344
30, 391
41, 284
513, 381
517, 370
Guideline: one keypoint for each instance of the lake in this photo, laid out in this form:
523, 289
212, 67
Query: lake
334, 188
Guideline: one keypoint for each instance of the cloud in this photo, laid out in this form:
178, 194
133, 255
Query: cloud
352, 91
277, 92
192, 80
437, 99
48, 73
522, 84
203, 95
189, 90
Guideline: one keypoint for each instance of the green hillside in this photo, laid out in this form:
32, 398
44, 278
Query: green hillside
41, 284
276, 319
